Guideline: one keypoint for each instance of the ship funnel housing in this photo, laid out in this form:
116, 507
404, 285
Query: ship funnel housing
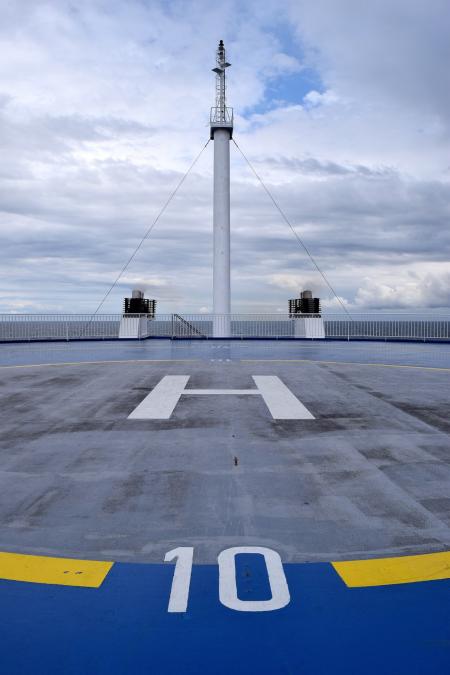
305, 304
138, 304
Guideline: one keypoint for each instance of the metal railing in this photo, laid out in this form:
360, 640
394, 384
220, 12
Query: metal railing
387, 326
28, 327
379, 326
220, 116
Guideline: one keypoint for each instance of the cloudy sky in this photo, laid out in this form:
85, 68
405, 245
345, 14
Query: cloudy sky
343, 106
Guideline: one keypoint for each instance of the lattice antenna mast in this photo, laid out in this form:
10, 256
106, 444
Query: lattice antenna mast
221, 91
220, 114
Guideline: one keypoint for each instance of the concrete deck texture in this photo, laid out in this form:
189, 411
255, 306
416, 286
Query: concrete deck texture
367, 477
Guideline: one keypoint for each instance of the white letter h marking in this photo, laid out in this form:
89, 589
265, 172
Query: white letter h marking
161, 401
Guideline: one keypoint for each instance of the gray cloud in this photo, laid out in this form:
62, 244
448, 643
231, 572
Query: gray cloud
311, 166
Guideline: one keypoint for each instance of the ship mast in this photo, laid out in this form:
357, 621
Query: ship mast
221, 122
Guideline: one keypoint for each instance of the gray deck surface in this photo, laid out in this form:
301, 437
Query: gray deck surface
369, 476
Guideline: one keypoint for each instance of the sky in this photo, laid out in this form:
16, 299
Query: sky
342, 106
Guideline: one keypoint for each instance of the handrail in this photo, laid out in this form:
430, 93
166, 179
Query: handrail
189, 325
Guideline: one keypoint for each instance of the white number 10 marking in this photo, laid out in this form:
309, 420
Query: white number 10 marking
228, 596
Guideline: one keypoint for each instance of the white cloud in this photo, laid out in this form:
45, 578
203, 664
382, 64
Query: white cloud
414, 290
315, 98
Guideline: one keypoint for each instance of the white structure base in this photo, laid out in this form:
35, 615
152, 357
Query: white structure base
221, 326
133, 327
309, 327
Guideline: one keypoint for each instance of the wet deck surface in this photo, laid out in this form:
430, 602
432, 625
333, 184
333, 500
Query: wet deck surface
425, 354
368, 477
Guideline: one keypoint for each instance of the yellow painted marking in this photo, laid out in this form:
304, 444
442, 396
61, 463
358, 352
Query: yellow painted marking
83, 363
335, 363
38, 569
387, 571
342, 363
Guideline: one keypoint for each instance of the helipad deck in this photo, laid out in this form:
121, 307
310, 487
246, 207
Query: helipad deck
306, 452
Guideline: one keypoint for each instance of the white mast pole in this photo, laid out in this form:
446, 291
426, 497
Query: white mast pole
221, 133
